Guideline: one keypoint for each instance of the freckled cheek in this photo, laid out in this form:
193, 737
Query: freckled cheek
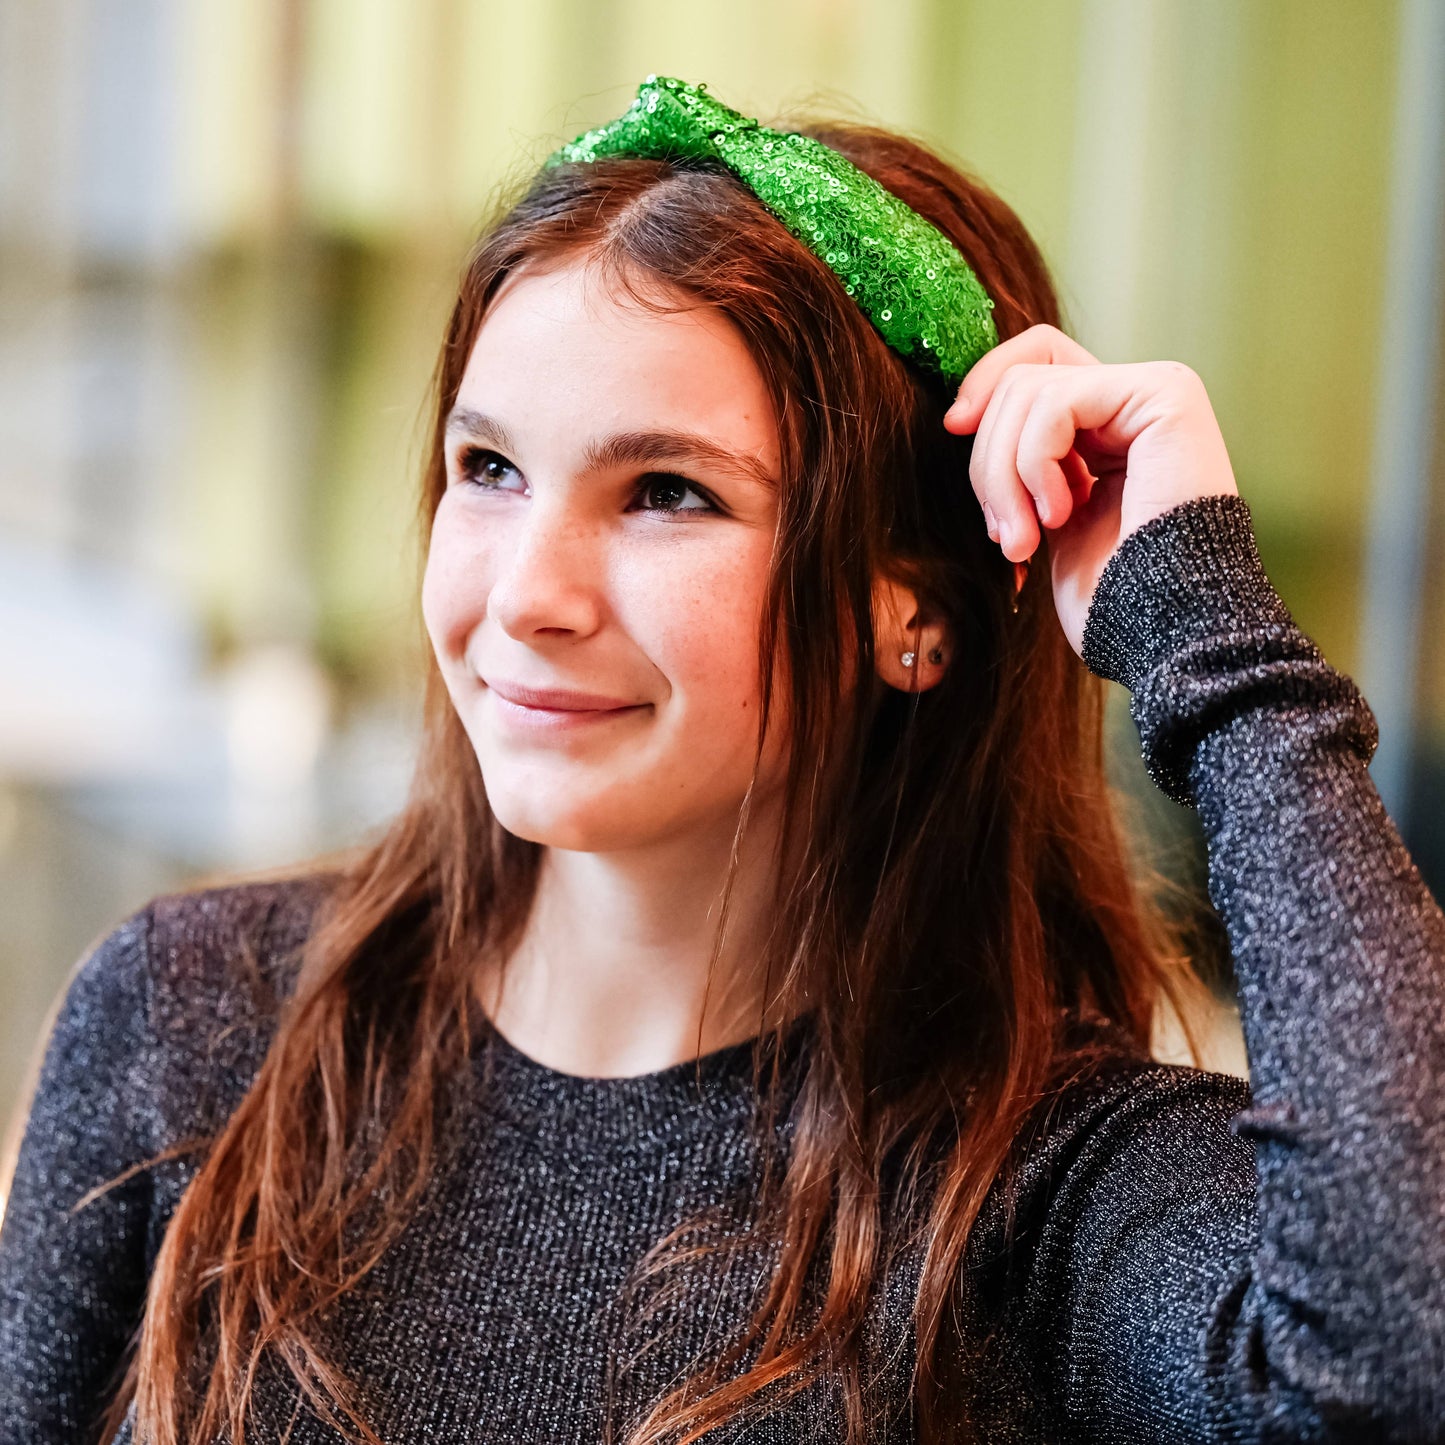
454, 593
700, 626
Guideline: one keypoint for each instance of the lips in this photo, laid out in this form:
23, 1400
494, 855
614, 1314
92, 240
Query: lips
558, 699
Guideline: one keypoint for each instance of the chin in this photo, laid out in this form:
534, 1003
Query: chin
588, 829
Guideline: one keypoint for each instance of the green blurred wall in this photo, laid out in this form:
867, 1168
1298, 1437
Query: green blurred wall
1207, 180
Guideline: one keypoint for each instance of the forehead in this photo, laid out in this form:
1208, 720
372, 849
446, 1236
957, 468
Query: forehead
562, 345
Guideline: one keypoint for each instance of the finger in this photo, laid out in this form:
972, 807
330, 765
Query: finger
999, 507
982, 437
1103, 400
1022, 499
1040, 344
1049, 466
1080, 479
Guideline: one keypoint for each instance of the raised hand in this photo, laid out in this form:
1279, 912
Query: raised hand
1087, 451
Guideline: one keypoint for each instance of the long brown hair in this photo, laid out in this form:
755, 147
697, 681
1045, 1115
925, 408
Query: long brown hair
956, 886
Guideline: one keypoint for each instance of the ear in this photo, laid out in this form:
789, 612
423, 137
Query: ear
903, 627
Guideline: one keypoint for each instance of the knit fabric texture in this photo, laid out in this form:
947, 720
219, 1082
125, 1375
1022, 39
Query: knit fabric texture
1194, 1259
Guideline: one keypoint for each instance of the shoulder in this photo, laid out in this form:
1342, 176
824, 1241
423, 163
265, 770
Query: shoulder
193, 938
1129, 1174
1123, 1136
1140, 1128
1107, 1077
232, 948
224, 959
155, 1039
1118, 1109
185, 992
1132, 1155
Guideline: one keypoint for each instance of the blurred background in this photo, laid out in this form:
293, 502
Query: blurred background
229, 233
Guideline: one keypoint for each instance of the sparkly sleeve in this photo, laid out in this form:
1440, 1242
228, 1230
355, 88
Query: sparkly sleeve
72, 1286
1277, 1270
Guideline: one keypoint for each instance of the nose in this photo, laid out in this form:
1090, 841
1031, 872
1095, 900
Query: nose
547, 573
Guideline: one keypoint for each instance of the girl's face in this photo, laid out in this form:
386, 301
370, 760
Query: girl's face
606, 531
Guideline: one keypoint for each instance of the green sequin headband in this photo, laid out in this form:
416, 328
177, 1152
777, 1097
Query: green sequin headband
905, 274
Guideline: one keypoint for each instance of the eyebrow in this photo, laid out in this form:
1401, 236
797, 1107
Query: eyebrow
626, 448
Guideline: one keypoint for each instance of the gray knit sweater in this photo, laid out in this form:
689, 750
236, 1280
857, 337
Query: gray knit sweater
1192, 1260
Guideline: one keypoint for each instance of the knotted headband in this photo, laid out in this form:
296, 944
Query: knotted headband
905, 274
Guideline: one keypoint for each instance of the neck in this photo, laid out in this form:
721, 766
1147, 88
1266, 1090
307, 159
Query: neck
611, 975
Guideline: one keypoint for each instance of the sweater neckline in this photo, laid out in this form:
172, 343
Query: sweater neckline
695, 1097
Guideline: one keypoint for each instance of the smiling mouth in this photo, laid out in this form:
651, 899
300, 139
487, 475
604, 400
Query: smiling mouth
521, 718
558, 699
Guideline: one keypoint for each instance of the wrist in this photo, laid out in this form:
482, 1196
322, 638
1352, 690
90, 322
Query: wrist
1192, 572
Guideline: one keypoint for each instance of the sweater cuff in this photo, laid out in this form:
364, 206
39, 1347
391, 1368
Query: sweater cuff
1190, 573
1186, 619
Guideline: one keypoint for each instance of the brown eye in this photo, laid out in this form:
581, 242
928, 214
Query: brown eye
482, 468
666, 493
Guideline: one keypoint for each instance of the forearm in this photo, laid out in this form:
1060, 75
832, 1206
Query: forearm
1338, 949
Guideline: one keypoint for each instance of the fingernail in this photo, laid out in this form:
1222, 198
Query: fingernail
990, 521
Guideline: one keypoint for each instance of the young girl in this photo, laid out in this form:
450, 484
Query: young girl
743, 1030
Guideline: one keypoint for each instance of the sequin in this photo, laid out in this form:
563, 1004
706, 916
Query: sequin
911, 280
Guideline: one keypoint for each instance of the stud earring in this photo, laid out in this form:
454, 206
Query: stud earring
909, 658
